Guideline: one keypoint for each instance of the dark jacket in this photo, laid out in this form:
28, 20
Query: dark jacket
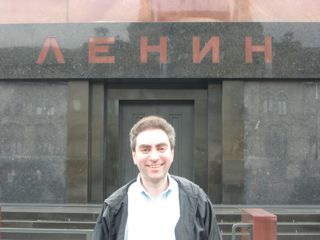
197, 220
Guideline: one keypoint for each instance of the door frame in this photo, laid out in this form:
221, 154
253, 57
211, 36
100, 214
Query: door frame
200, 148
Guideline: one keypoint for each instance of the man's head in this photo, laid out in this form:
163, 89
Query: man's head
152, 144
152, 122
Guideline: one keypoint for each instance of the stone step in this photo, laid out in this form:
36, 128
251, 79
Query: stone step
69, 234
225, 227
299, 236
299, 227
281, 236
48, 224
65, 212
45, 234
296, 227
294, 222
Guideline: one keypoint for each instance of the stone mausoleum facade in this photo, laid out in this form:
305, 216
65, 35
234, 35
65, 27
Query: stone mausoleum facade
237, 79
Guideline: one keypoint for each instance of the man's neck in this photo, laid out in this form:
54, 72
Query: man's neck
155, 188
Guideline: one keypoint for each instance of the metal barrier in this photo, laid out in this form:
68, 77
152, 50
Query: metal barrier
87, 232
248, 226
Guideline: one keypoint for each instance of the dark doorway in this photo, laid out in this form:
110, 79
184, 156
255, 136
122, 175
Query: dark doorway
178, 113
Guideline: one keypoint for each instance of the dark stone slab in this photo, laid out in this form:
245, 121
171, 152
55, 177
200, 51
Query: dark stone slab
32, 142
295, 50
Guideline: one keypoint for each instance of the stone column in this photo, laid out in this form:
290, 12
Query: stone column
77, 142
232, 142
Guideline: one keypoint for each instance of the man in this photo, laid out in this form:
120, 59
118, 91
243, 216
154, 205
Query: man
156, 205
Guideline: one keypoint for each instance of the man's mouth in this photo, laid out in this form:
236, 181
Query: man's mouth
155, 165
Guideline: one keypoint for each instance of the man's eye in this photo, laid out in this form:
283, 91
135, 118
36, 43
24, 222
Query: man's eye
162, 149
144, 150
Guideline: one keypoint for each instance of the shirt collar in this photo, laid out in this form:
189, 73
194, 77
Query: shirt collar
172, 187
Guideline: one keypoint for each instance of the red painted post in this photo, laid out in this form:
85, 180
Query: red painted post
264, 224
0, 221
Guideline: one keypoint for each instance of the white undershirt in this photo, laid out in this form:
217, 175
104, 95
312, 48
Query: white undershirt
152, 218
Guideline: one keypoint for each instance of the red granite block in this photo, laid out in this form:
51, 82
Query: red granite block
264, 224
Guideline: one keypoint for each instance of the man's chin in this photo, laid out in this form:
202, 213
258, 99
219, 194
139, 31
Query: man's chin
155, 178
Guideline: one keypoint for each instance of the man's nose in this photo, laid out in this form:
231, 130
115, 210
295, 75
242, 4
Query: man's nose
154, 155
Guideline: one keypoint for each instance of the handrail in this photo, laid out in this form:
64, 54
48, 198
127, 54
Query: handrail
87, 232
241, 225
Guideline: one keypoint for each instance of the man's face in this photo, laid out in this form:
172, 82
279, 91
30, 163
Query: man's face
153, 155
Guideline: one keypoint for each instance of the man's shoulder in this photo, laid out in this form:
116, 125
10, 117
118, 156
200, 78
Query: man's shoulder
119, 195
189, 187
183, 181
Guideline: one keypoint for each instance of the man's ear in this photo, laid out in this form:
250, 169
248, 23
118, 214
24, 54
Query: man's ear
133, 156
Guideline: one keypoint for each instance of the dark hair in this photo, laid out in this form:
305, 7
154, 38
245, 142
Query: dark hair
152, 122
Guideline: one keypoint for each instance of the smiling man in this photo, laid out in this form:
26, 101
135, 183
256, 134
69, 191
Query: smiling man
156, 205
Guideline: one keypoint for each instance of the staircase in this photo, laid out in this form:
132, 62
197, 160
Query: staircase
48, 222
76, 222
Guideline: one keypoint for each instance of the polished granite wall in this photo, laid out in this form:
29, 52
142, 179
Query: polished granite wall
281, 135
33, 142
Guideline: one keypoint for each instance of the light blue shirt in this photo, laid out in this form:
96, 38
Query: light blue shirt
152, 218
